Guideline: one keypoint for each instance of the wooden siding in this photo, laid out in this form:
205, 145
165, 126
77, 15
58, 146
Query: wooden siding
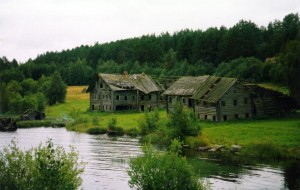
234, 104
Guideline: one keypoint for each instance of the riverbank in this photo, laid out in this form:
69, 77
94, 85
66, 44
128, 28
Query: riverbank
257, 137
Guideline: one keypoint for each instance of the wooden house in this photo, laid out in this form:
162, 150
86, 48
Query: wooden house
182, 90
222, 99
113, 92
267, 102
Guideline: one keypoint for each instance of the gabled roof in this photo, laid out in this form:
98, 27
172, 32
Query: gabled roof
185, 86
213, 88
140, 82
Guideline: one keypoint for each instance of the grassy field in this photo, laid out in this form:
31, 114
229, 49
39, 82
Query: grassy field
280, 131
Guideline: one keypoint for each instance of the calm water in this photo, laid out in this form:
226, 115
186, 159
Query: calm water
108, 157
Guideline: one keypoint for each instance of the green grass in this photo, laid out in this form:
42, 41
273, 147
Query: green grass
284, 132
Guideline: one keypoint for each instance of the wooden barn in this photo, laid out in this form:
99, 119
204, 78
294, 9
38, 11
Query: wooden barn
222, 99
111, 92
182, 90
266, 102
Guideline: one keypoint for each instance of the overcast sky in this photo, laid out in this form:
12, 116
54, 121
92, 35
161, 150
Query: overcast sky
32, 27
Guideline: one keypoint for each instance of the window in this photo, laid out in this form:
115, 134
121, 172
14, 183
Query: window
101, 85
234, 102
170, 99
236, 116
198, 115
125, 97
223, 103
224, 117
204, 103
150, 97
214, 118
106, 97
205, 117
103, 97
183, 100
118, 97
247, 115
142, 97
245, 100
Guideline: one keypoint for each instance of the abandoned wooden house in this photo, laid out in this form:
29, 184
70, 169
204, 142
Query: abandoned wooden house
182, 90
113, 92
221, 99
267, 102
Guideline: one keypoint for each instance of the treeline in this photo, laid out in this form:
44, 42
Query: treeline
245, 51
17, 97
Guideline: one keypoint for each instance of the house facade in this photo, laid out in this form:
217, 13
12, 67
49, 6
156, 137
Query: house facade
181, 90
222, 99
113, 92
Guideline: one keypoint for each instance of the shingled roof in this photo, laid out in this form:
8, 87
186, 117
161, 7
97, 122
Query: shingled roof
213, 88
140, 82
185, 86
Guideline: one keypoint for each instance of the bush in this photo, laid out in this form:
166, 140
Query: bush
149, 122
133, 132
162, 170
44, 167
183, 122
97, 130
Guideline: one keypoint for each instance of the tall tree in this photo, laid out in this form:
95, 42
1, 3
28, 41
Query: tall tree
57, 89
291, 59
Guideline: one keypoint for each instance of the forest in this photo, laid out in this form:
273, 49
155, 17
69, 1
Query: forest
246, 51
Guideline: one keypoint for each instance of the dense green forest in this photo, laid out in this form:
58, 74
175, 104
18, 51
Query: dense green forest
246, 51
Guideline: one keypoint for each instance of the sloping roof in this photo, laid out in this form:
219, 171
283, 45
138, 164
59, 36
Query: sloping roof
213, 88
140, 82
185, 86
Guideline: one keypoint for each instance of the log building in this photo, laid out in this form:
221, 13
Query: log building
111, 92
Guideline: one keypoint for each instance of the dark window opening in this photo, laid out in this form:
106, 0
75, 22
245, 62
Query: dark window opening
204, 103
234, 102
93, 107
149, 97
224, 117
236, 116
205, 117
183, 100
120, 108
118, 97
101, 85
103, 97
125, 97
247, 115
170, 99
214, 118
198, 116
245, 100
142, 97
142, 107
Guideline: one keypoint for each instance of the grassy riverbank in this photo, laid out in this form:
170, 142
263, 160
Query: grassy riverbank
277, 132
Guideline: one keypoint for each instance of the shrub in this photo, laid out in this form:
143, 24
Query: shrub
112, 124
162, 170
183, 121
133, 132
97, 130
44, 167
149, 122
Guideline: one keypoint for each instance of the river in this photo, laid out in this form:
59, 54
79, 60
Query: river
108, 157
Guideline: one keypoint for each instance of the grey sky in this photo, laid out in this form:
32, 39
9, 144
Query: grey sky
32, 27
